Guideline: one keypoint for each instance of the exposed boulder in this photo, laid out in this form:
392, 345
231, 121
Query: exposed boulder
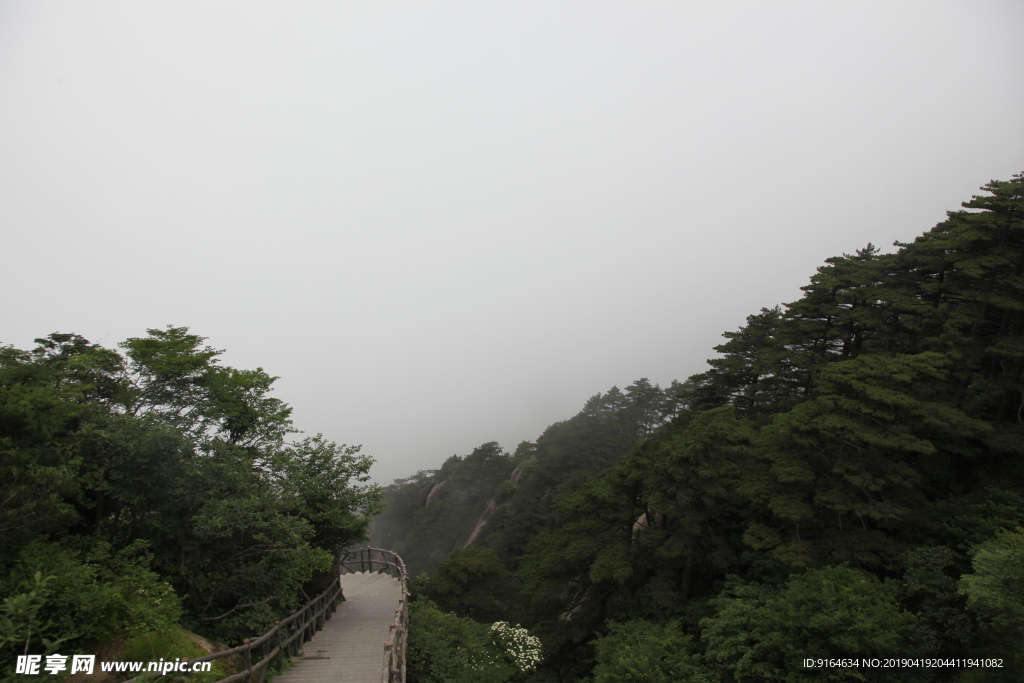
435, 492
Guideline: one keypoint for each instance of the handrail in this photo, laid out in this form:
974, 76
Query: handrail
386, 561
286, 638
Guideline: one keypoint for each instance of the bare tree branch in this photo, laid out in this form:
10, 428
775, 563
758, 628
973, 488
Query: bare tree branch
238, 607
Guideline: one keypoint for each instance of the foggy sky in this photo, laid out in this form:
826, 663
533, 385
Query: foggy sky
444, 223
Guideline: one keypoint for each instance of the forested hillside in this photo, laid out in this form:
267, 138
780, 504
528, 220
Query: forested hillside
152, 488
845, 481
437, 511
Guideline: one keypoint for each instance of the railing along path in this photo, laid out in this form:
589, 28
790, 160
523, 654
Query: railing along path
287, 637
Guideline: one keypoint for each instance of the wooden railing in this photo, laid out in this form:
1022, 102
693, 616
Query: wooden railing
290, 634
284, 640
386, 562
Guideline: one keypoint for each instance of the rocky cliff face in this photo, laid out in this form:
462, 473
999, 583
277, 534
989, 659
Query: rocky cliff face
434, 492
477, 528
481, 522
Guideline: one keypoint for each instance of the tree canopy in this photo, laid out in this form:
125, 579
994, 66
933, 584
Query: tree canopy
154, 485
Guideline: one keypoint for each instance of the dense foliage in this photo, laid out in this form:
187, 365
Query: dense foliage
445, 648
155, 486
845, 481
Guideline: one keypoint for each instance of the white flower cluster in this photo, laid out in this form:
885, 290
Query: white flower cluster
522, 648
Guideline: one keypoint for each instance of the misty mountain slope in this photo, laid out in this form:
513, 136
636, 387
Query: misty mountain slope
846, 478
501, 500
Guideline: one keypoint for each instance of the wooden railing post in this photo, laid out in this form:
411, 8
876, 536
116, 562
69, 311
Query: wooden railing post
264, 660
280, 650
247, 659
306, 630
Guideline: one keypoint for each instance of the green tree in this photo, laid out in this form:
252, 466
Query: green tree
968, 294
166, 452
753, 373
473, 583
88, 596
995, 593
764, 634
928, 588
566, 456
328, 486
175, 378
444, 648
693, 480
850, 466
640, 651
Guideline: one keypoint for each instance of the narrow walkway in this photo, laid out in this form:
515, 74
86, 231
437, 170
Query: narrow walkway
350, 648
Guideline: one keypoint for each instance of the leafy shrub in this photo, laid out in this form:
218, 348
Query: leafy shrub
444, 648
995, 594
170, 644
641, 651
762, 633
76, 599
